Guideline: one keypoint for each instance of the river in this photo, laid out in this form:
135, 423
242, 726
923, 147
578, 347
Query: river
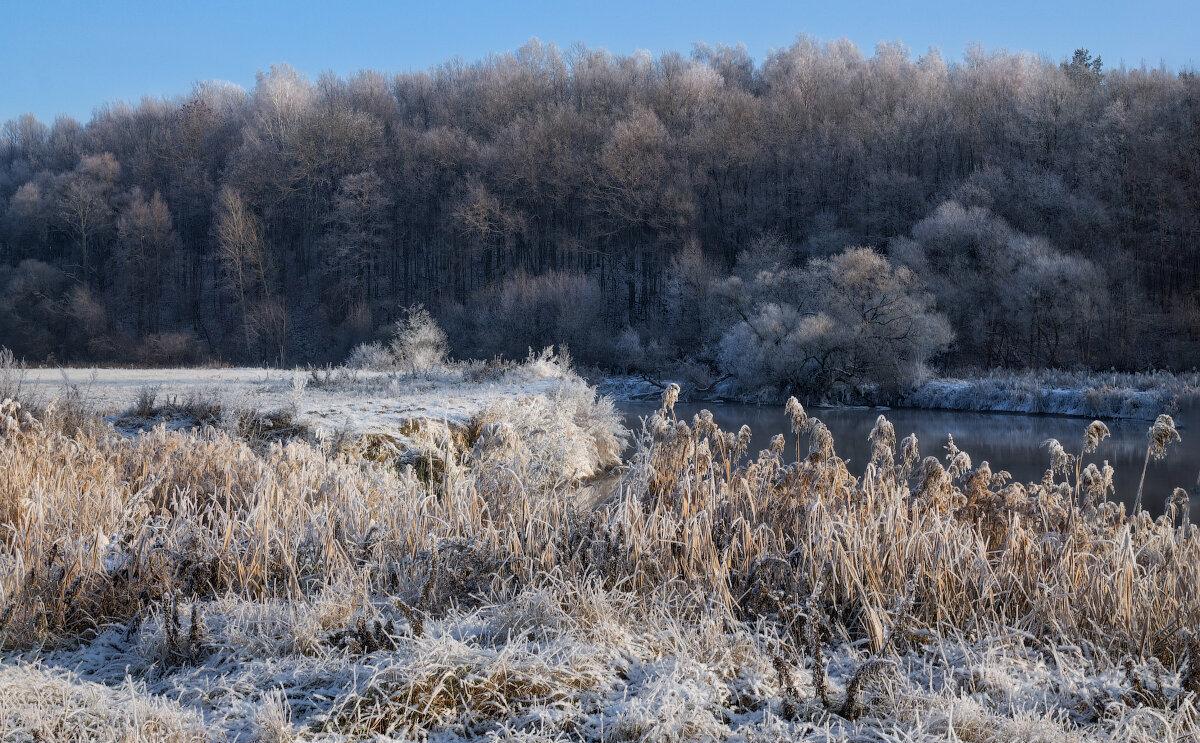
1006, 441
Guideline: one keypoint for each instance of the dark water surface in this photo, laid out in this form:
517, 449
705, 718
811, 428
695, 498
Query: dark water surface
1007, 441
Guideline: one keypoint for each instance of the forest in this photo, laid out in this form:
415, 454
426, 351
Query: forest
822, 219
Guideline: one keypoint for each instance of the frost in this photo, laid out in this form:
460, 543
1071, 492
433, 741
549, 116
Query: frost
1091, 394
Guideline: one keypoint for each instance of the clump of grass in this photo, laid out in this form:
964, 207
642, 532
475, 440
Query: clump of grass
179, 647
12, 377
45, 704
145, 404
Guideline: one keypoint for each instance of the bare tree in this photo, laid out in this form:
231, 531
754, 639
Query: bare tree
83, 202
242, 252
147, 245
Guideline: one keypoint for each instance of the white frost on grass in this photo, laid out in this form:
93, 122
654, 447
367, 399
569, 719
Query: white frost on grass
1093, 394
561, 661
41, 703
337, 401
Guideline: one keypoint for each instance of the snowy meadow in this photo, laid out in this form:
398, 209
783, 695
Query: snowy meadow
504, 573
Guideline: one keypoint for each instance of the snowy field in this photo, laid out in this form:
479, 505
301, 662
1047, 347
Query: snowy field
341, 400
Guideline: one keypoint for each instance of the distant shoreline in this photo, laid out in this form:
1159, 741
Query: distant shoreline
1113, 395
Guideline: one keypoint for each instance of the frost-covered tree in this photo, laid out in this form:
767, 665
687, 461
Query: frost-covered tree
417, 343
83, 204
466, 183
357, 231
1057, 304
1015, 298
692, 319
839, 325
243, 257
145, 246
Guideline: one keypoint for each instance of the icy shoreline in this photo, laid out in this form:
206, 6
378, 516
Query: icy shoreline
1109, 395
1140, 396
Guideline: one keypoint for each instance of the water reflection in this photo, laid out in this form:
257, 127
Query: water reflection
1006, 441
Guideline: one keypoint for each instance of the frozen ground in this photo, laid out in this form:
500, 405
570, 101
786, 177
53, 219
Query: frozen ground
353, 402
566, 662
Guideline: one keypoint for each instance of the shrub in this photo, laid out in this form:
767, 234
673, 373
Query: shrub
837, 326
417, 343
371, 356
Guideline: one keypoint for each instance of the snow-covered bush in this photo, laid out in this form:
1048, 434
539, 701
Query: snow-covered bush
372, 356
835, 326
418, 344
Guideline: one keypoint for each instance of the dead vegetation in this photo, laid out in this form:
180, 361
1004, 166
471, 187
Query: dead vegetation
715, 594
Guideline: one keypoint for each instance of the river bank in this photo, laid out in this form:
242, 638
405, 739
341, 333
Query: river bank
1105, 395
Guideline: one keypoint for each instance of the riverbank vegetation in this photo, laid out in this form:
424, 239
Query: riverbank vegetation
182, 585
1105, 395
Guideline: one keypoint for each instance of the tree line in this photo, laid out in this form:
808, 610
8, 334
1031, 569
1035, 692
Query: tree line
645, 211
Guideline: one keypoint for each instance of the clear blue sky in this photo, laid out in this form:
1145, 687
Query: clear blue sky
67, 57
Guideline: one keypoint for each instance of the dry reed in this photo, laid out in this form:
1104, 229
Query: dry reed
101, 531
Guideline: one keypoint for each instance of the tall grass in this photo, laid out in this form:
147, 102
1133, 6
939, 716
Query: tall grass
740, 567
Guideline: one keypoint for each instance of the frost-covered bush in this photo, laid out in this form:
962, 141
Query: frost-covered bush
418, 344
567, 434
371, 355
1014, 298
839, 325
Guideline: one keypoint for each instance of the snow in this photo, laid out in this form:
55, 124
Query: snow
353, 402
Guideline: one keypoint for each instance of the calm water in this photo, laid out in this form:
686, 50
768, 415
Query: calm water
1006, 441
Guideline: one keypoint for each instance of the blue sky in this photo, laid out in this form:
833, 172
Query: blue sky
67, 57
